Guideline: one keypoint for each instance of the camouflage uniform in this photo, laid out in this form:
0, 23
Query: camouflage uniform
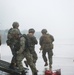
46, 47
18, 48
32, 42
24, 52
11, 42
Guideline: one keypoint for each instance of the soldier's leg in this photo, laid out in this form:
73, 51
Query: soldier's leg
50, 54
35, 57
29, 59
50, 62
19, 59
13, 62
44, 57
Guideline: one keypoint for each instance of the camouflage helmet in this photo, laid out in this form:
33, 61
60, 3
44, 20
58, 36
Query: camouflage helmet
15, 24
44, 31
15, 31
31, 30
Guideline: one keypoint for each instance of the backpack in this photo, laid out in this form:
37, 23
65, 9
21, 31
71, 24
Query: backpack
27, 40
46, 42
46, 38
12, 35
12, 32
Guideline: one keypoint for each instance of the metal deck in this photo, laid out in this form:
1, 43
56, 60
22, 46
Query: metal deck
4, 66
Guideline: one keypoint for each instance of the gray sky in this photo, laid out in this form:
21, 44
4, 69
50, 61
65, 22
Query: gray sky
57, 16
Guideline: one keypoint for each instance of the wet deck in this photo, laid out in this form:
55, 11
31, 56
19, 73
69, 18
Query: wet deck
66, 64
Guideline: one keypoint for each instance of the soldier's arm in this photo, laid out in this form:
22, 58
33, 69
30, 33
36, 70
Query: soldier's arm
34, 40
40, 40
22, 45
52, 38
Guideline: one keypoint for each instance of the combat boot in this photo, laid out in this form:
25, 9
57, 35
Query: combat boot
50, 67
46, 64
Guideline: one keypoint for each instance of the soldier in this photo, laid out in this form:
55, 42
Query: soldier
11, 42
32, 42
22, 51
46, 43
17, 47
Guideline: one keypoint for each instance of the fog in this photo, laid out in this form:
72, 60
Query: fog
57, 16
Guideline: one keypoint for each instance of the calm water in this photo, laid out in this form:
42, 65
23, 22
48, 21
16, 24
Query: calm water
62, 59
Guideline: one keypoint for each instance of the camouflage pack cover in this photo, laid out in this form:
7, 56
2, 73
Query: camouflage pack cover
15, 31
12, 32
